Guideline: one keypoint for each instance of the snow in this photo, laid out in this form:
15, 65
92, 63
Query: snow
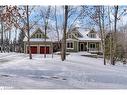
17, 71
84, 32
53, 37
38, 40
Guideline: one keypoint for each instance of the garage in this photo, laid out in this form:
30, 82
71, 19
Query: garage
42, 49
33, 49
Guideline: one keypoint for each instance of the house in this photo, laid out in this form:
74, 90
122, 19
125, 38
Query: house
83, 40
77, 40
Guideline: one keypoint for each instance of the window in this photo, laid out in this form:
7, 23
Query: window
70, 45
92, 45
92, 36
37, 35
40, 36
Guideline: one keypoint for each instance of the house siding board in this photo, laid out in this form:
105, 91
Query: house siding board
97, 46
72, 34
75, 49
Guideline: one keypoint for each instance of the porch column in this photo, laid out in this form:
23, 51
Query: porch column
78, 46
95, 46
87, 46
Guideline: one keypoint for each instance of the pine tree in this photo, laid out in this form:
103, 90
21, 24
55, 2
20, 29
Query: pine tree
20, 41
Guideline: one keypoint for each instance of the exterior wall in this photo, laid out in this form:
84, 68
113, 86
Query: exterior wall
74, 40
38, 44
75, 47
72, 35
97, 47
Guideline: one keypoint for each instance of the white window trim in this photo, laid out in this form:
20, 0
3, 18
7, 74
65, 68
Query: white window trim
92, 35
72, 45
92, 44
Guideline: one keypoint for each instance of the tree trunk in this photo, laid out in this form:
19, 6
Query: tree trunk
57, 29
114, 36
27, 11
52, 49
103, 32
46, 26
63, 53
45, 41
2, 36
9, 40
15, 40
101, 26
110, 47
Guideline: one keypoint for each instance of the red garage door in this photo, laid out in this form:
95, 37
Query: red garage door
42, 50
33, 49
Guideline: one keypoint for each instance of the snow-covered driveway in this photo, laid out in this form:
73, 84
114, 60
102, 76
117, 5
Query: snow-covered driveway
77, 72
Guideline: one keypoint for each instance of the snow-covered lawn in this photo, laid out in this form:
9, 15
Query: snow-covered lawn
77, 72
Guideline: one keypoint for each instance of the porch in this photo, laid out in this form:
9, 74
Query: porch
90, 46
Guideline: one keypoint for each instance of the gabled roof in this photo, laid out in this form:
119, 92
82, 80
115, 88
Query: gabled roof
85, 36
76, 30
52, 34
38, 29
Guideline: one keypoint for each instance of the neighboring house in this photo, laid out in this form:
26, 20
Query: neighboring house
77, 40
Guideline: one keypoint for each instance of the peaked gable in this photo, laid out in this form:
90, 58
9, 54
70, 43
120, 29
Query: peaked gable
76, 32
38, 34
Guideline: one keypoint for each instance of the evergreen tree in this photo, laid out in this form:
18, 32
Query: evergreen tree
20, 41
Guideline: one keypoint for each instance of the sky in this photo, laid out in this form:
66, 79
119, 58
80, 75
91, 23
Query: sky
86, 22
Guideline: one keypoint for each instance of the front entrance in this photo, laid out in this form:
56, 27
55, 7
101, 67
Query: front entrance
82, 47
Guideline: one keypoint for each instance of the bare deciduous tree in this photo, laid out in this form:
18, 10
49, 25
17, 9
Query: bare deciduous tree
63, 53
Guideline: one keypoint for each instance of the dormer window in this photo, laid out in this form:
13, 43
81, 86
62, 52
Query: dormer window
40, 36
37, 35
92, 35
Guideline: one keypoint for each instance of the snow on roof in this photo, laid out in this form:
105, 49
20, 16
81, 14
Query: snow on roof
85, 37
39, 40
53, 36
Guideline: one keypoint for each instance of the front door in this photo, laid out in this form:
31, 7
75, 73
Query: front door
81, 47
